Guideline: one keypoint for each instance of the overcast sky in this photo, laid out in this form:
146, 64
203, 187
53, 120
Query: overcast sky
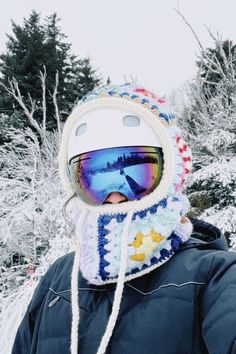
145, 39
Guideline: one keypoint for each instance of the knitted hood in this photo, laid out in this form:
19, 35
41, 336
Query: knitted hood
119, 242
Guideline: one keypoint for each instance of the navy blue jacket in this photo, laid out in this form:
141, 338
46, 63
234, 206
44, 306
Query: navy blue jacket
187, 306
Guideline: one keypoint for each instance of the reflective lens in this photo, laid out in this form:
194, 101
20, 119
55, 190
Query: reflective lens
133, 171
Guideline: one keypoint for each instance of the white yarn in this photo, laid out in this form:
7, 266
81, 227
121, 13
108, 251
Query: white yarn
119, 288
75, 287
161, 129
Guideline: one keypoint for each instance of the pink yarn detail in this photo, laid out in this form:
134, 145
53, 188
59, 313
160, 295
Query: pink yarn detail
185, 154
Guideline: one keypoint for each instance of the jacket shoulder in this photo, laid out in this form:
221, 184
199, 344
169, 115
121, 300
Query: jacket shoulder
61, 265
206, 236
59, 273
62, 262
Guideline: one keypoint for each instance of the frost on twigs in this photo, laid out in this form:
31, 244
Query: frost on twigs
206, 107
33, 232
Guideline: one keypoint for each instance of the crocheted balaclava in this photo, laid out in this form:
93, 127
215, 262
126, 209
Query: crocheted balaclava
119, 242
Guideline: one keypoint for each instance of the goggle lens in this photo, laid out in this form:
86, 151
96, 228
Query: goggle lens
132, 171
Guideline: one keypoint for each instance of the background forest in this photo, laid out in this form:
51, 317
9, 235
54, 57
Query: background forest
40, 82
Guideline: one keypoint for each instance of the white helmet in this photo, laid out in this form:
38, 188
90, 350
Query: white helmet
109, 127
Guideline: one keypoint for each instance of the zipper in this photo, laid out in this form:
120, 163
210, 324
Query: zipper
54, 301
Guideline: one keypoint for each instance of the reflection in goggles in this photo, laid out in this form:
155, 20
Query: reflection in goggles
132, 171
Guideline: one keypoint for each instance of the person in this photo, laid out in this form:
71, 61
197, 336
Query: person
144, 278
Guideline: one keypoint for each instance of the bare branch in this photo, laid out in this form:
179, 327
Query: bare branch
218, 43
14, 91
191, 28
211, 68
32, 104
43, 76
208, 82
125, 78
133, 78
56, 105
204, 53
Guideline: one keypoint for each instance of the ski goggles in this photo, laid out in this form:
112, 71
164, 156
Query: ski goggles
133, 171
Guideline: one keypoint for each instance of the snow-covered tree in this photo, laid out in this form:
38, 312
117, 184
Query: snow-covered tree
33, 232
209, 126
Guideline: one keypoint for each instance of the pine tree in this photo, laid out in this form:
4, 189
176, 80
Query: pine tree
24, 49
33, 47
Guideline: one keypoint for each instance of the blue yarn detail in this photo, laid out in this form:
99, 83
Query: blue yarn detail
144, 100
120, 217
153, 260
135, 270
163, 203
104, 263
167, 116
103, 231
105, 275
164, 254
102, 241
103, 251
105, 219
145, 266
134, 96
151, 210
122, 94
142, 213
176, 242
154, 106
111, 93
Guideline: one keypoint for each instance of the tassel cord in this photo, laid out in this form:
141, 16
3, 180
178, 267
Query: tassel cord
75, 287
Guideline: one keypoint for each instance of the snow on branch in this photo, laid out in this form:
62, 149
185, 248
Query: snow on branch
56, 105
43, 76
213, 65
14, 91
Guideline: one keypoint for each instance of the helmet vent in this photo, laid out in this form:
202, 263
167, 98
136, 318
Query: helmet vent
131, 121
81, 129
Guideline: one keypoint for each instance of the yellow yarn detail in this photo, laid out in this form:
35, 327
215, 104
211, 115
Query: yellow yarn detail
156, 237
138, 240
139, 257
145, 245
